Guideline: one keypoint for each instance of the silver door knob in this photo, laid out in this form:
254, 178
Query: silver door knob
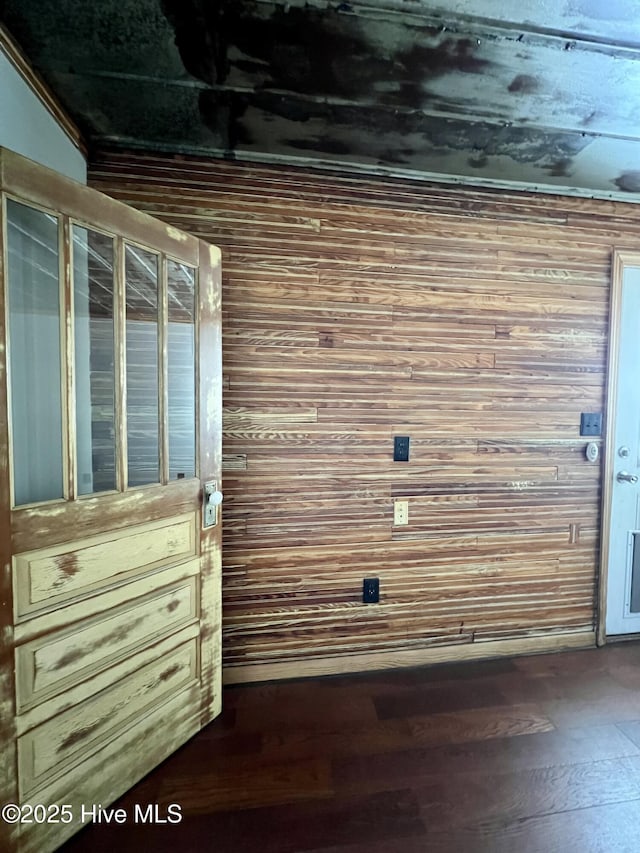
214, 498
626, 477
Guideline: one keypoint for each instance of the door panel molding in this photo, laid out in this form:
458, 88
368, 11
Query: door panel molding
60, 660
162, 730
64, 741
60, 575
99, 681
104, 600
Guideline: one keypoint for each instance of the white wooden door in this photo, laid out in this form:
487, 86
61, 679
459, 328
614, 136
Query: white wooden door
110, 435
621, 530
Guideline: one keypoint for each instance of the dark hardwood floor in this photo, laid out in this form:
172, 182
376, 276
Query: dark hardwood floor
531, 754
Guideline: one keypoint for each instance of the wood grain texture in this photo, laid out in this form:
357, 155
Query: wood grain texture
358, 309
309, 765
113, 652
71, 737
209, 453
60, 574
59, 661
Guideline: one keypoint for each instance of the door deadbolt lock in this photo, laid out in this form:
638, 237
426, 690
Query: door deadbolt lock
624, 452
212, 498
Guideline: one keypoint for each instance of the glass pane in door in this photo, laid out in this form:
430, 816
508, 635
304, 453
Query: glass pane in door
143, 439
181, 396
93, 287
33, 268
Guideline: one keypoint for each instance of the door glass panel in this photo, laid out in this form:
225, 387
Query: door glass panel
181, 370
35, 359
93, 257
634, 604
143, 444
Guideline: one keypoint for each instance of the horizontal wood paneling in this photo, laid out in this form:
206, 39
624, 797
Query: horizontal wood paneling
355, 310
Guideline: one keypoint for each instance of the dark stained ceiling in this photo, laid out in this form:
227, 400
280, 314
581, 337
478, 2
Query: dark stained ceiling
540, 93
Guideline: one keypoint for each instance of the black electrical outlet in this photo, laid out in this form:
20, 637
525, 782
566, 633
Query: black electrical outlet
401, 448
370, 590
591, 423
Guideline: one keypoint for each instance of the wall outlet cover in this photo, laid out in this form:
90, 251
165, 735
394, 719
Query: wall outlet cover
370, 590
591, 423
401, 448
400, 513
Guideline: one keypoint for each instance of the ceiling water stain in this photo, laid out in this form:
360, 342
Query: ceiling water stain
478, 162
396, 156
561, 168
523, 145
452, 54
324, 143
360, 131
200, 36
315, 52
223, 113
302, 51
422, 63
629, 182
305, 50
525, 84
352, 83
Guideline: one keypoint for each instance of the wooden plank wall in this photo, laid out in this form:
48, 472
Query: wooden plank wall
358, 309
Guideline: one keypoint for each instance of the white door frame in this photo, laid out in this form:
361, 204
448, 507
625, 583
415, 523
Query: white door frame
621, 259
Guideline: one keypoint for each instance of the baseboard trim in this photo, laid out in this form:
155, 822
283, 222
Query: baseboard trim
344, 664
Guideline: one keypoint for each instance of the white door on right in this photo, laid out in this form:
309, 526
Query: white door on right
621, 527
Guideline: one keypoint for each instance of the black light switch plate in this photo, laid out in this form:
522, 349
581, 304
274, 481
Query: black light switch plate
401, 448
591, 423
370, 590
